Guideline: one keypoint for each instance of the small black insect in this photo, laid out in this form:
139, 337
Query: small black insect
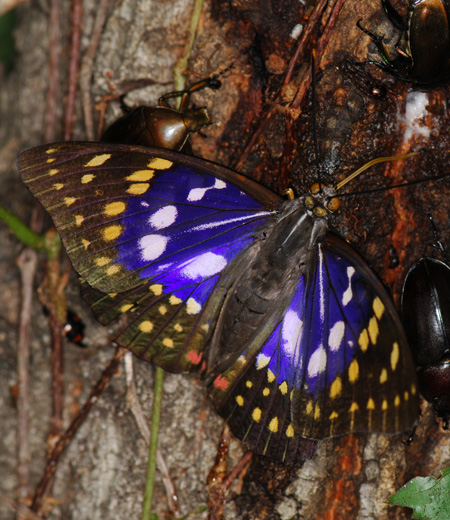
423, 49
74, 329
162, 125
425, 310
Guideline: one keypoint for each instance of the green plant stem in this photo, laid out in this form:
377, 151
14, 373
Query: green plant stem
151, 465
182, 63
22, 231
50, 243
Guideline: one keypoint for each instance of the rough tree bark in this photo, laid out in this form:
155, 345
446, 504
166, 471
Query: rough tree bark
102, 473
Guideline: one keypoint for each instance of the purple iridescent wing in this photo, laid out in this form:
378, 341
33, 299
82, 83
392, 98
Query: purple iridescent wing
336, 362
149, 231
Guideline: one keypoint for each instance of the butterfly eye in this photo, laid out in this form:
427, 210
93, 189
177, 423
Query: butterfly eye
316, 188
333, 204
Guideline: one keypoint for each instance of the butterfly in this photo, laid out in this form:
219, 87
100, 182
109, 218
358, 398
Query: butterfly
296, 337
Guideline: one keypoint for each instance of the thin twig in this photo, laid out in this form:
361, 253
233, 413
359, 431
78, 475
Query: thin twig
87, 67
53, 72
74, 66
54, 456
27, 262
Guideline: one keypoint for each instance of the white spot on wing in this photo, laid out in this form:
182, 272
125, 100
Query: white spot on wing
291, 334
164, 217
152, 246
207, 264
198, 193
261, 361
336, 335
348, 294
317, 362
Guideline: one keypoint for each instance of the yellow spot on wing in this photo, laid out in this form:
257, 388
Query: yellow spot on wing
160, 164
167, 342
384, 405
51, 150
240, 400
98, 160
140, 176
58, 186
53, 171
363, 340
270, 376
146, 326
69, 200
395, 355
336, 388
112, 232
266, 392
353, 407
256, 414
383, 376
86, 179
248, 384
317, 412
192, 306
309, 407
333, 415
370, 404
373, 330
79, 219
290, 431
378, 307
156, 289
50, 160
85, 243
162, 309
138, 189
273, 425
102, 261
113, 209
397, 400
126, 308
353, 371
283, 388
178, 327
173, 300
112, 270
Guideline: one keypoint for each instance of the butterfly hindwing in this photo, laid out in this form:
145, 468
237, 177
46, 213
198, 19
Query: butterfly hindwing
355, 371
149, 231
336, 362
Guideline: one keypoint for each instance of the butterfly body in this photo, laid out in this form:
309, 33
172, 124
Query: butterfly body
295, 335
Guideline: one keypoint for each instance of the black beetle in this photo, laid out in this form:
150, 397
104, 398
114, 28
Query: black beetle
162, 125
425, 311
424, 45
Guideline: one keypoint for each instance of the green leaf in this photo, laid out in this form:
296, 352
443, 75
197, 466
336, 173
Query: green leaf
428, 497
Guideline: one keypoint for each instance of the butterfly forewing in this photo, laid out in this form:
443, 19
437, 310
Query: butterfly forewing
149, 231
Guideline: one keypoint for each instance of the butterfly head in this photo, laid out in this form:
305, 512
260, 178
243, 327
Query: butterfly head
321, 200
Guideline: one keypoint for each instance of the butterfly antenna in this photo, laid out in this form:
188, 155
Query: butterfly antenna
371, 163
314, 115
